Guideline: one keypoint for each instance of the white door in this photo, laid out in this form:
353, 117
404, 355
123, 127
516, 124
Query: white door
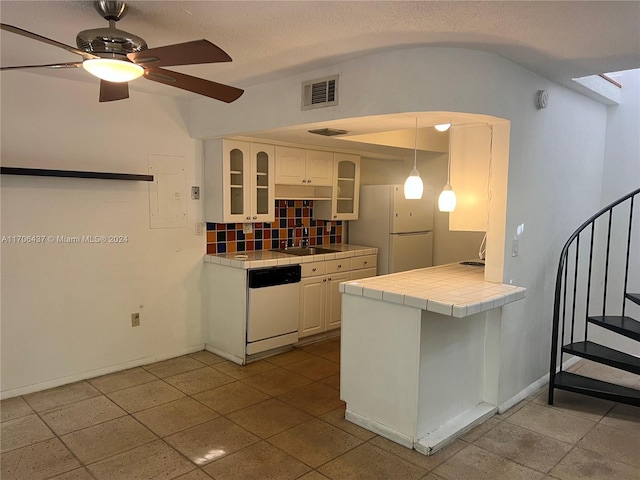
410, 215
272, 311
312, 301
333, 310
319, 168
410, 250
290, 165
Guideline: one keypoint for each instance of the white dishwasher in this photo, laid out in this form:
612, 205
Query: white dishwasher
273, 301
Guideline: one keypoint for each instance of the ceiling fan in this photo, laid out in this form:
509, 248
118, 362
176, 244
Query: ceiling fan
117, 57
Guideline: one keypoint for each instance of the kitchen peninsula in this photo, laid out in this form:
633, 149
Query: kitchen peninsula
420, 350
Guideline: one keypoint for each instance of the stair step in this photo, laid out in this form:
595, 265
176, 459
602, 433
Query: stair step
623, 325
634, 297
605, 355
597, 388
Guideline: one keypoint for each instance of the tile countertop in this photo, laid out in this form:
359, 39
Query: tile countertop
455, 290
269, 258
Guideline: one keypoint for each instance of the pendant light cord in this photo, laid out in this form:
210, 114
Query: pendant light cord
415, 148
450, 155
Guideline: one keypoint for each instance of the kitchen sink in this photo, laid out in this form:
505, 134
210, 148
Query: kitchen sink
303, 251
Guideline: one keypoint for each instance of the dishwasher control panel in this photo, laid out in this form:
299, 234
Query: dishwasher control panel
269, 277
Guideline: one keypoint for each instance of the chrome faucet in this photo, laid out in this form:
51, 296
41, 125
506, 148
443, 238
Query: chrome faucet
305, 234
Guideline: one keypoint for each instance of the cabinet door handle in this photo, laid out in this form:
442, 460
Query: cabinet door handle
308, 181
304, 181
248, 218
254, 217
339, 266
325, 280
366, 263
313, 269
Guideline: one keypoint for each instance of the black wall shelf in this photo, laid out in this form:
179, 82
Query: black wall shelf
44, 172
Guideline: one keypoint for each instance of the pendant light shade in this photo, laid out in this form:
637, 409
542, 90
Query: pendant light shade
413, 186
447, 198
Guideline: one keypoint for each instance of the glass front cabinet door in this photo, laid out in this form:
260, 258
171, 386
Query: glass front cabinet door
345, 191
262, 183
236, 157
346, 187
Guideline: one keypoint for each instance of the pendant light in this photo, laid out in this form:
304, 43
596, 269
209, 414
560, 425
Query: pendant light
413, 186
442, 127
447, 198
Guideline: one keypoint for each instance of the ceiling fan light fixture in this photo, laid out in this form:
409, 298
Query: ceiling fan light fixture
113, 70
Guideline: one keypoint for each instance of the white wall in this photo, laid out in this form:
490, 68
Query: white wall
622, 154
555, 168
66, 307
621, 175
448, 246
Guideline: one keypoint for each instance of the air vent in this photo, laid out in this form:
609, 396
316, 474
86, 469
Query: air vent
322, 92
329, 132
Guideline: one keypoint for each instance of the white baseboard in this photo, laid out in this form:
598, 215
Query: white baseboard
228, 356
380, 429
36, 387
437, 439
535, 386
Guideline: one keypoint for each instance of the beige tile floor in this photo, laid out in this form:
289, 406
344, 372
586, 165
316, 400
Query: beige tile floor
199, 417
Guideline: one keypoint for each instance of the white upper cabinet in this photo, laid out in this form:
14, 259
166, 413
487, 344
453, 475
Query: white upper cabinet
299, 166
471, 168
345, 193
239, 182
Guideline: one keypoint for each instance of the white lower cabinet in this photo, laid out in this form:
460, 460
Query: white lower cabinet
312, 293
363, 273
320, 297
363, 267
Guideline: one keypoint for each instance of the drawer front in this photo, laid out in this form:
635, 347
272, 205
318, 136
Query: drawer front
362, 273
312, 269
365, 261
341, 265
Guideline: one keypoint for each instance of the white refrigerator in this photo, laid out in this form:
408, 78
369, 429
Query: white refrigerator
401, 229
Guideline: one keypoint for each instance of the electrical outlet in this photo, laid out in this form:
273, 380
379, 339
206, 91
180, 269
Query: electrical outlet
514, 248
135, 319
195, 193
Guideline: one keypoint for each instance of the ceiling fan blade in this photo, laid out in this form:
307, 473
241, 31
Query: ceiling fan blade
49, 65
200, 86
110, 91
40, 38
189, 53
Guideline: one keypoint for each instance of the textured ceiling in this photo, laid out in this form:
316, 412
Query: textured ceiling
269, 39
